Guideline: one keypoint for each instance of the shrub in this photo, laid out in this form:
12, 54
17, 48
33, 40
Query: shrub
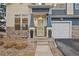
2, 29
9, 44
21, 45
1, 36
1, 43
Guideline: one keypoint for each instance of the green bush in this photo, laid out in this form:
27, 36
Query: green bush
1, 43
2, 29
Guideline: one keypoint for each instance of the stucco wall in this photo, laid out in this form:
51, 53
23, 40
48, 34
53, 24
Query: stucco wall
13, 9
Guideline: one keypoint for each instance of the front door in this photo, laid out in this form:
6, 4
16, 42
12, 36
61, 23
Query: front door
40, 28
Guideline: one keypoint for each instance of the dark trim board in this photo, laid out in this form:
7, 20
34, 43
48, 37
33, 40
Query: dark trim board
75, 21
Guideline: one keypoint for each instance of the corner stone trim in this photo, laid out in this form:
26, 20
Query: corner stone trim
75, 31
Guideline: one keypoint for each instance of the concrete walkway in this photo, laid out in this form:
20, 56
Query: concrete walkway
43, 49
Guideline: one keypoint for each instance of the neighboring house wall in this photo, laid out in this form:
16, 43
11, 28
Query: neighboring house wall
11, 11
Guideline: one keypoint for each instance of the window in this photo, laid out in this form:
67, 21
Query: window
24, 23
33, 3
17, 23
76, 5
21, 22
58, 5
43, 3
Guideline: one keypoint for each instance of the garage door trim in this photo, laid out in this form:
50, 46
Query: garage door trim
70, 26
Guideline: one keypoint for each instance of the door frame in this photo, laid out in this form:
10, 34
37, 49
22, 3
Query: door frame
40, 27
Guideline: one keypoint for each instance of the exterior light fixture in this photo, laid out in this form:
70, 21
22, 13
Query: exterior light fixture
55, 5
40, 4
40, 18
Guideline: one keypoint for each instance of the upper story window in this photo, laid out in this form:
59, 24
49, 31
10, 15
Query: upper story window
40, 4
76, 5
43, 3
58, 5
33, 3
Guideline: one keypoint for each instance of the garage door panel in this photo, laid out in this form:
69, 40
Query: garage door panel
61, 29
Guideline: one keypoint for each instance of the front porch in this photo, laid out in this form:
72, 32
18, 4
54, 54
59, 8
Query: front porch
40, 22
39, 26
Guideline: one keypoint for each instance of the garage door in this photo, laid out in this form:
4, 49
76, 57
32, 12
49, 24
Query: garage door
62, 29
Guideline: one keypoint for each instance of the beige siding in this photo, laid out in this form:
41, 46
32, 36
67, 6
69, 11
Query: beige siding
13, 9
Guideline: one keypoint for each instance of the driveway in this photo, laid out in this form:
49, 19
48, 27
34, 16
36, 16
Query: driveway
68, 47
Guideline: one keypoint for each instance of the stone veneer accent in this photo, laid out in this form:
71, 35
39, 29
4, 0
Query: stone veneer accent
18, 33
75, 31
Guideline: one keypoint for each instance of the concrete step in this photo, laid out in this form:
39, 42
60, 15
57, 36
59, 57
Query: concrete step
42, 43
42, 40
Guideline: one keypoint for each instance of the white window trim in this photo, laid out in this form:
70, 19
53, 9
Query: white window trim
24, 16
76, 7
21, 22
20, 16
14, 19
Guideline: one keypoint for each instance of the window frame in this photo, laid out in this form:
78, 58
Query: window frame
77, 8
60, 8
33, 3
17, 16
21, 16
43, 4
24, 16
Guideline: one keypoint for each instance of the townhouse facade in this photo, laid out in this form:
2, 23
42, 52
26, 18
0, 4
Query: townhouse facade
57, 20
